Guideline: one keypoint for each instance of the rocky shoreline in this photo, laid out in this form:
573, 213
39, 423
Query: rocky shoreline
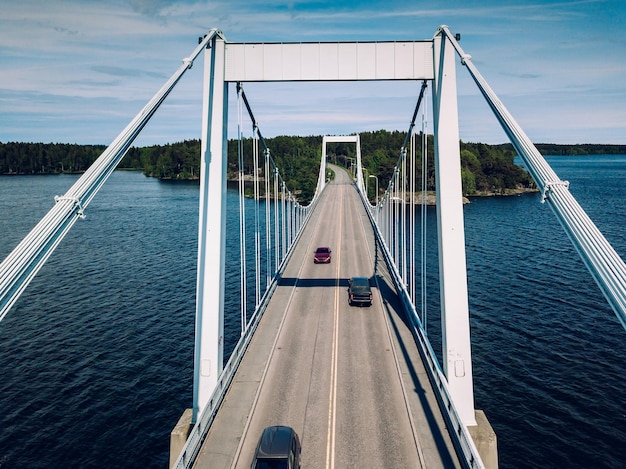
431, 197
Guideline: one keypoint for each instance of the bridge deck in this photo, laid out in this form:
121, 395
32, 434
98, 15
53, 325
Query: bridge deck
349, 380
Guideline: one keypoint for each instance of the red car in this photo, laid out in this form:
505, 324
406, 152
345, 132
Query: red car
322, 255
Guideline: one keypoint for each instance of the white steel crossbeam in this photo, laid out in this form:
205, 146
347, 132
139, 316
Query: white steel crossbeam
329, 61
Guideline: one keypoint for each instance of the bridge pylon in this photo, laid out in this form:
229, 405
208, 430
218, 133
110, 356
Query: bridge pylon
209, 334
457, 356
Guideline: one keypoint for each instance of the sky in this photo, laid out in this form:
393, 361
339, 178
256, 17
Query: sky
78, 71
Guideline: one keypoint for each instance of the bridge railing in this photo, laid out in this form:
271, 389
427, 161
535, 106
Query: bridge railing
200, 430
462, 440
289, 223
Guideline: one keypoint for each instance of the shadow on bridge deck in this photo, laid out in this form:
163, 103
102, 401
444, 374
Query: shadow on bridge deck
429, 422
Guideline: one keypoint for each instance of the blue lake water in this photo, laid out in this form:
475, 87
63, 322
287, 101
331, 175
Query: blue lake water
96, 358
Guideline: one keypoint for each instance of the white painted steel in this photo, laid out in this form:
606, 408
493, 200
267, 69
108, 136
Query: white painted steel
359, 166
209, 334
329, 61
395, 237
412, 202
603, 262
424, 224
321, 177
276, 223
283, 224
23, 263
403, 225
376, 178
257, 220
457, 358
268, 220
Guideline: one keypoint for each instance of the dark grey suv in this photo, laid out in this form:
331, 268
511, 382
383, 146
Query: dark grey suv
359, 291
278, 448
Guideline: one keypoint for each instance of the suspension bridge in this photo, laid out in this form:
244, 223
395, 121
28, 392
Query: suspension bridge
362, 387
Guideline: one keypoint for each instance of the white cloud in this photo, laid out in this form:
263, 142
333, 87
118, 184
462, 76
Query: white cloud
97, 63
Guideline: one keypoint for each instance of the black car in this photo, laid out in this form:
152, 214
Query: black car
278, 448
359, 291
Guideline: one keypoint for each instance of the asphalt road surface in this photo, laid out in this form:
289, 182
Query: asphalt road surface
348, 379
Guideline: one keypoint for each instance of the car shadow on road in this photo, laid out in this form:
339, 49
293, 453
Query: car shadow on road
312, 282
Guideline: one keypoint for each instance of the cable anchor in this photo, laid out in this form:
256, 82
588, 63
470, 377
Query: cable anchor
77, 203
548, 185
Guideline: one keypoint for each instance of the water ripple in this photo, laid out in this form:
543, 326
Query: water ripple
97, 356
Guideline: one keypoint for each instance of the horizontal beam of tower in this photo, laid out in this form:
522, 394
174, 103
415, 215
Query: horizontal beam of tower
329, 61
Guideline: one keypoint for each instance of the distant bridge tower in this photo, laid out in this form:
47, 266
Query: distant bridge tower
347, 139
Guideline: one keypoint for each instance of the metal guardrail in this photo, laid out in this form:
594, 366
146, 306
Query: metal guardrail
200, 430
462, 440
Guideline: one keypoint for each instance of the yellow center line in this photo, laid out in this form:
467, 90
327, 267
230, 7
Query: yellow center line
332, 402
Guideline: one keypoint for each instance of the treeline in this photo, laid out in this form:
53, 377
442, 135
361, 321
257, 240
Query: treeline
580, 149
485, 168
47, 158
172, 161
297, 158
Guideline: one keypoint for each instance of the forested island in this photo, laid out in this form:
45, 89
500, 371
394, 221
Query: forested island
486, 169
